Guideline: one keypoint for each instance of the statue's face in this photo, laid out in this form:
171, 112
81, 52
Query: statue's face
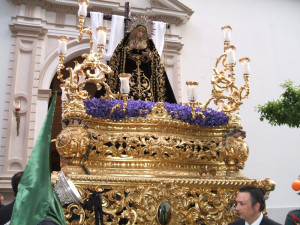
140, 32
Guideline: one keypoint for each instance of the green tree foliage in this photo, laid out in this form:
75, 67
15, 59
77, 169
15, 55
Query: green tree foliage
285, 110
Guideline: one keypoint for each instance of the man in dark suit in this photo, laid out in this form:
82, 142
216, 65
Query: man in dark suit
250, 203
6, 211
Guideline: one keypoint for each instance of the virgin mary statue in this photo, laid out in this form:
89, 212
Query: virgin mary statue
136, 54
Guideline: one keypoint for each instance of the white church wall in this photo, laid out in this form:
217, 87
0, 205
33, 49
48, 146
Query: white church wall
7, 9
268, 32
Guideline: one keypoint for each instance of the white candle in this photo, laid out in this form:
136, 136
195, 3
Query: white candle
82, 11
62, 44
192, 96
63, 94
62, 47
246, 69
245, 65
227, 33
101, 37
124, 80
231, 55
192, 90
124, 88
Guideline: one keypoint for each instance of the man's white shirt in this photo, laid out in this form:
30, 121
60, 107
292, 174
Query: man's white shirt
256, 222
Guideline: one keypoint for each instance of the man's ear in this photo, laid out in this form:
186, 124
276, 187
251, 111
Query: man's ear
257, 207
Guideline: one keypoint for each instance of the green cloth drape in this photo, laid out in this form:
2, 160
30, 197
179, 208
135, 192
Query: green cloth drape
36, 199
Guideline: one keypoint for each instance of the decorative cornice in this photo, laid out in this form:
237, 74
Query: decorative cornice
104, 10
172, 11
168, 19
71, 9
178, 6
157, 3
28, 30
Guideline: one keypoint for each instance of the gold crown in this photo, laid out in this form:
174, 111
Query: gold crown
140, 20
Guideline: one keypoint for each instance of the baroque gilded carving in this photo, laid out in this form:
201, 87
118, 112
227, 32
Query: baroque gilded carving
200, 202
137, 166
235, 148
157, 166
97, 146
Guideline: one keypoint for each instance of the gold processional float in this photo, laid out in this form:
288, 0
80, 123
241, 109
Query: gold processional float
150, 162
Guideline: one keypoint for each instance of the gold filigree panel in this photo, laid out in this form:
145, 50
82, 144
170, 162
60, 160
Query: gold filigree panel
138, 201
164, 153
128, 147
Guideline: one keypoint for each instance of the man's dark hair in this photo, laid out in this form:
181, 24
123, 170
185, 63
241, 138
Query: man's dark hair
15, 180
256, 194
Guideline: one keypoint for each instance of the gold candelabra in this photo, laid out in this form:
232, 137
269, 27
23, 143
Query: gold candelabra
91, 70
225, 93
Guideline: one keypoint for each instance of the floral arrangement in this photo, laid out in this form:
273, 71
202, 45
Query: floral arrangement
102, 108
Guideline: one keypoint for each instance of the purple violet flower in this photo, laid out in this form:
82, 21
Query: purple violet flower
101, 108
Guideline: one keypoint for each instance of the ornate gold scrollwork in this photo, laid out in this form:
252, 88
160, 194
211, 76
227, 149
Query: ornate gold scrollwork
190, 202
